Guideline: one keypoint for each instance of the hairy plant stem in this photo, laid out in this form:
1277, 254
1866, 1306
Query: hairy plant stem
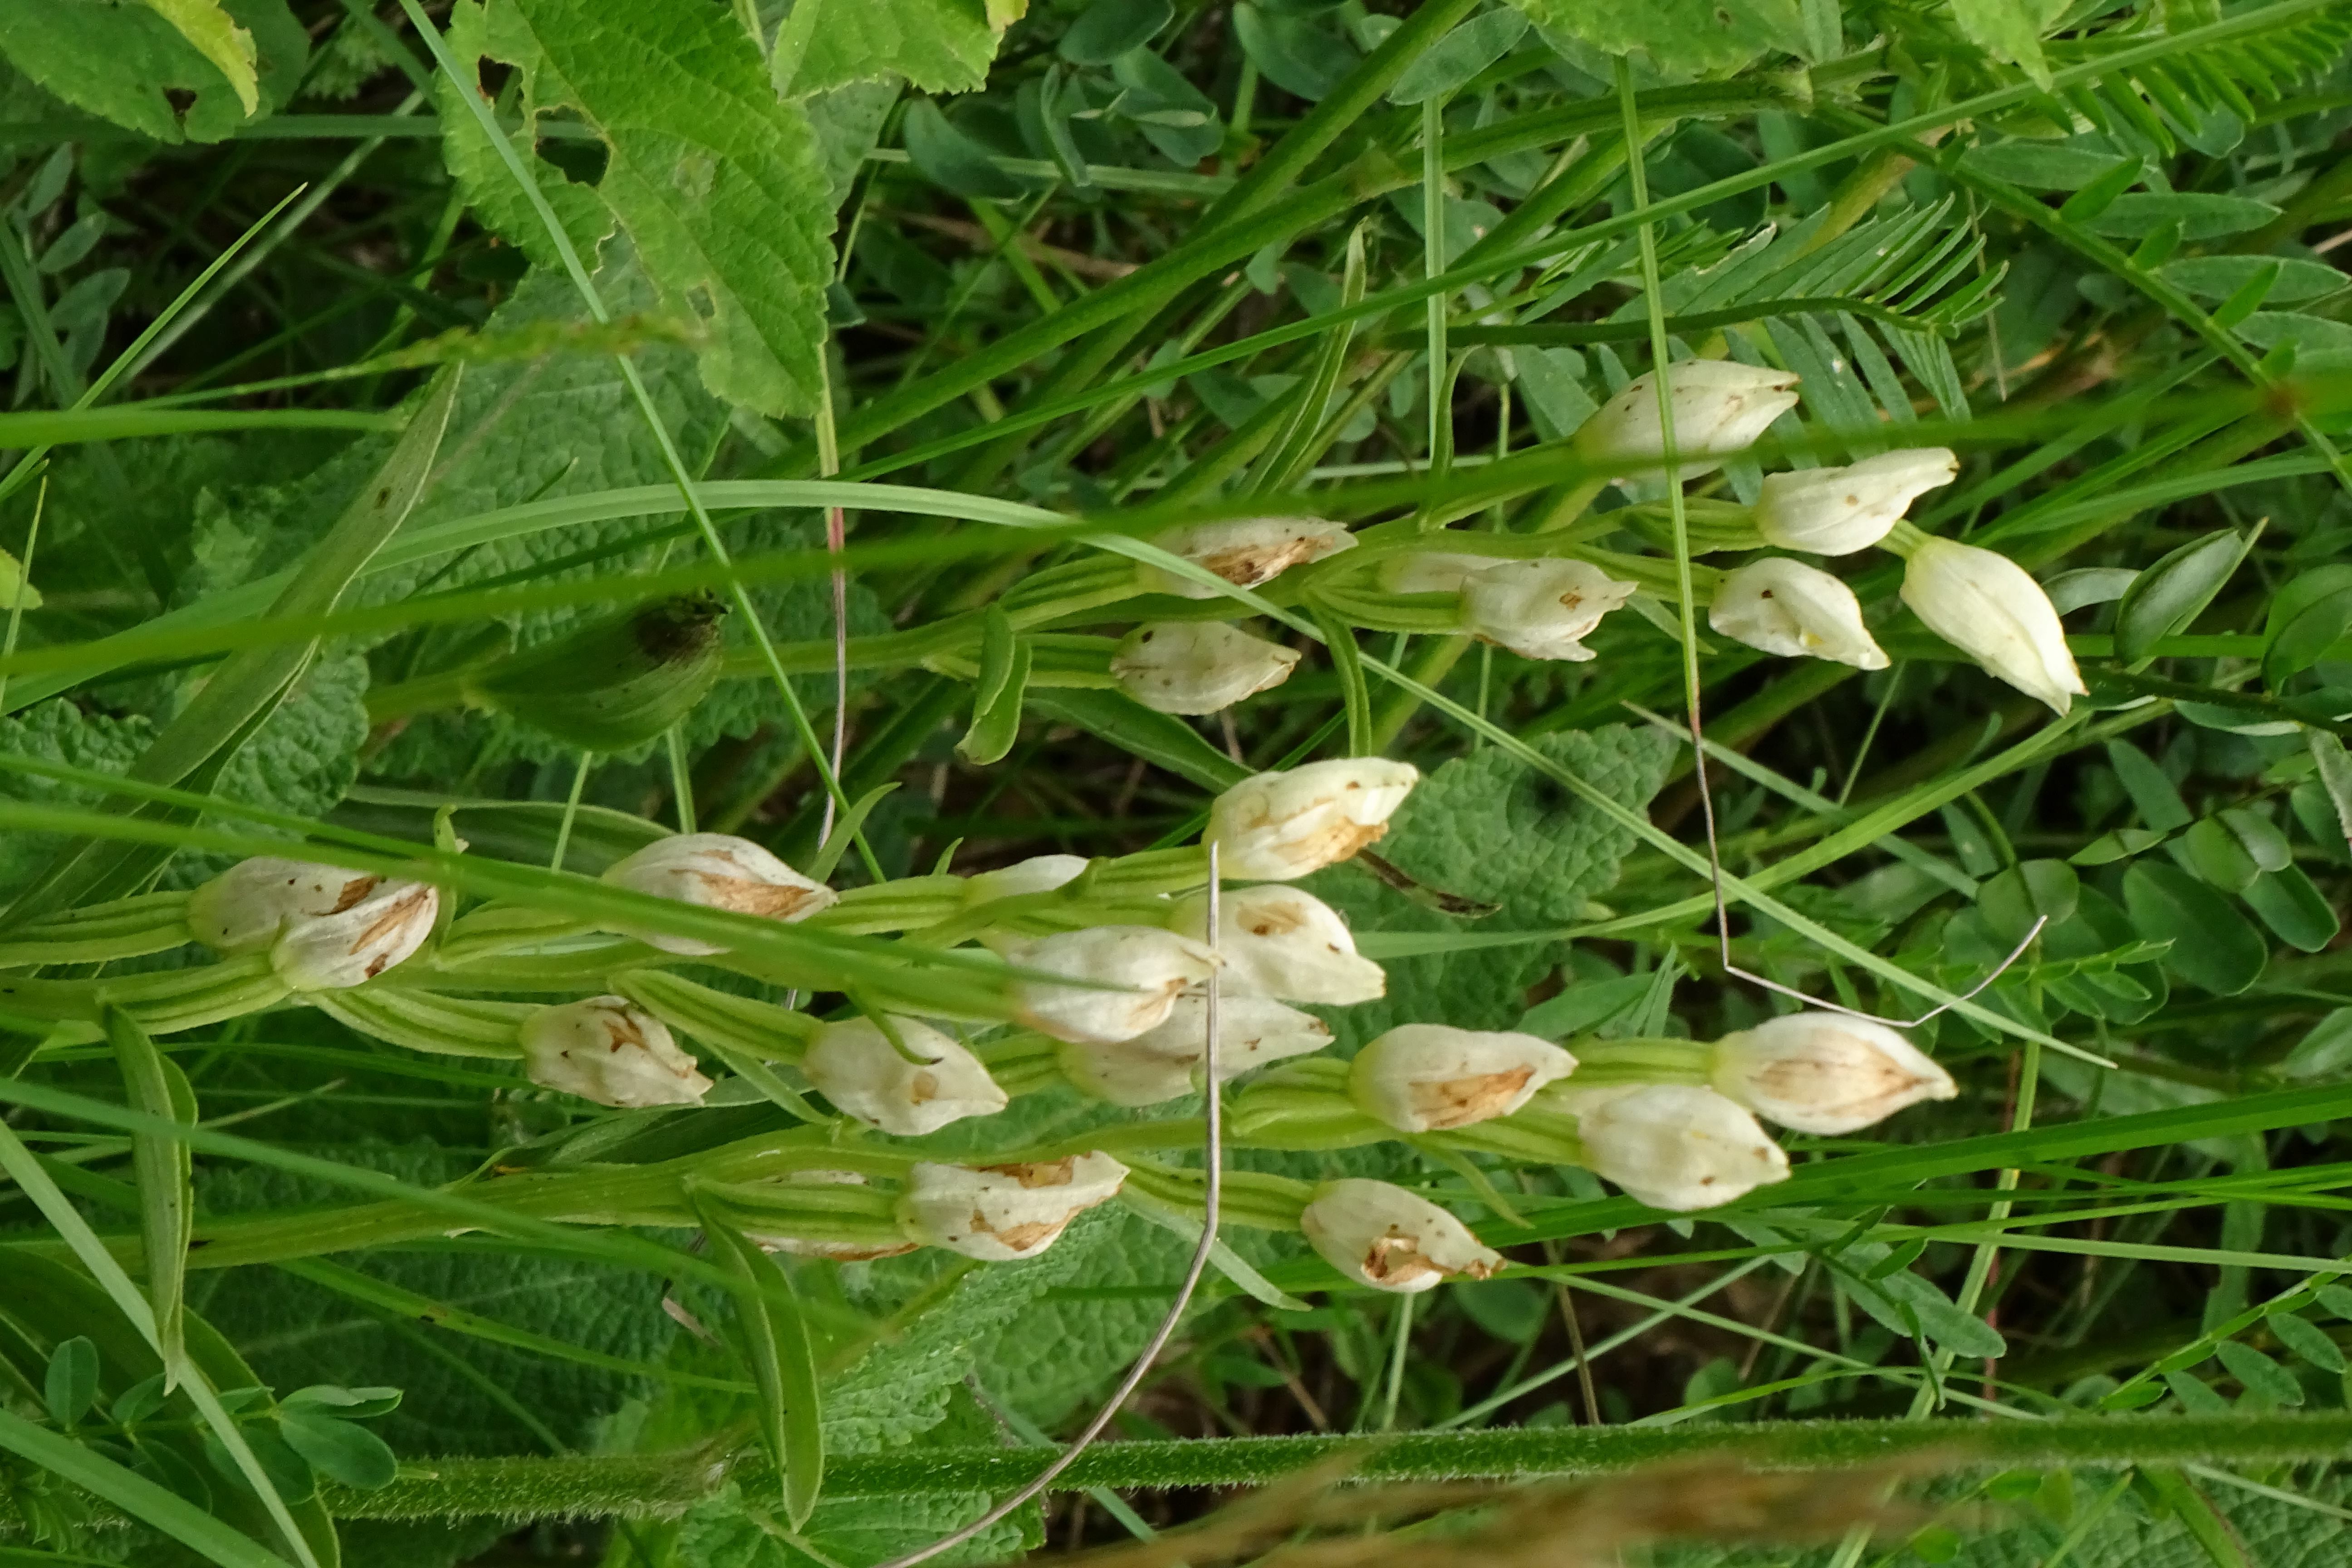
642, 1486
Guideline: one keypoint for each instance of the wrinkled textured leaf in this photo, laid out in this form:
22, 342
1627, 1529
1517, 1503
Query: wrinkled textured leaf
938, 45
1680, 37
720, 187
128, 63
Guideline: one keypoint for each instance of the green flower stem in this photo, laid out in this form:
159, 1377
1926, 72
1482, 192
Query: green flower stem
640, 1486
121, 928
1603, 1063
1904, 538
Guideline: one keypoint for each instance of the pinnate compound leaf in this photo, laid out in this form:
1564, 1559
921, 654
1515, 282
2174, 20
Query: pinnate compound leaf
721, 185
338, 1449
938, 45
1682, 38
144, 66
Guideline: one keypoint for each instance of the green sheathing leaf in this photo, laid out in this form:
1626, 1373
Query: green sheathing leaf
938, 45
124, 63
1489, 829
721, 185
1682, 38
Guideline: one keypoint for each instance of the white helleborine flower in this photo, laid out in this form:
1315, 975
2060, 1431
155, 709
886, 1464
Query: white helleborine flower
1278, 826
1432, 571
1676, 1146
1391, 1239
1165, 1062
838, 1251
1197, 666
1991, 609
999, 1213
1426, 1078
854, 1065
326, 928
1719, 408
1540, 609
1279, 942
1128, 978
1835, 511
1247, 552
612, 1051
1824, 1072
1797, 611
718, 872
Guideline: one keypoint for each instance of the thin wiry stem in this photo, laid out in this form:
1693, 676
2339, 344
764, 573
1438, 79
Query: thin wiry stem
1213, 1194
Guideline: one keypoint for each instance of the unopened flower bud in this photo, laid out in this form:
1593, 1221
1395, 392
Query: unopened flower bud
1797, 611
1280, 941
1432, 571
1676, 1146
1126, 979
1391, 1239
1165, 1062
1247, 552
718, 872
616, 683
1835, 511
1277, 826
324, 927
1720, 407
1991, 609
999, 1213
1824, 1072
1426, 1078
1540, 609
854, 1065
1197, 666
612, 1051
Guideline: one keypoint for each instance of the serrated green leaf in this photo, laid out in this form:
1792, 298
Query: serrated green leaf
719, 183
137, 66
938, 45
2009, 30
1681, 38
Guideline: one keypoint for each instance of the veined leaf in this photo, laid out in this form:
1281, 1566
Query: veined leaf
938, 45
167, 1216
219, 39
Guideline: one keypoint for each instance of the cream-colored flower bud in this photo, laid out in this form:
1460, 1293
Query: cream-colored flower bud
1674, 1146
1540, 609
1391, 1239
854, 1065
1835, 511
325, 927
1197, 666
612, 1051
1165, 1062
1797, 611
1426, 1078
1127, 978
1432, 571
1247, 552
1721, 408
718, 872
999, 1213
1991, 609
1280, 941
1824, 1072
1278, 826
